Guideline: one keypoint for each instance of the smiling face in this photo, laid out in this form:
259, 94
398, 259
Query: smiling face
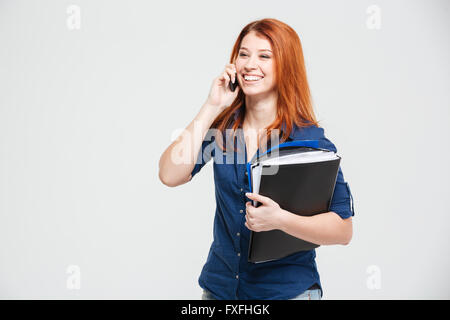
255, 58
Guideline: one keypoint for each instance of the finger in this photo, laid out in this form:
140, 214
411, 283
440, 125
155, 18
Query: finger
249, 224
232, 73
226, 77
232, 67
249, 211
249, 219
258, 197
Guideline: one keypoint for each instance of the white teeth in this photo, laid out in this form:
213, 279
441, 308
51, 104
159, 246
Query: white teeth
252, 78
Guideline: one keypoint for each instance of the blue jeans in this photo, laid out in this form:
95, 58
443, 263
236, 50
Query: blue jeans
313, 294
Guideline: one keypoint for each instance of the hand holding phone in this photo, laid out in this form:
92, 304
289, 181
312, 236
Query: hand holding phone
223, 91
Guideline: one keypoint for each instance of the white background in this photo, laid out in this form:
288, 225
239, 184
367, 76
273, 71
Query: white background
85, 115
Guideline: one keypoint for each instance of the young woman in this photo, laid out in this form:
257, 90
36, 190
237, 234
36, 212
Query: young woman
272, 94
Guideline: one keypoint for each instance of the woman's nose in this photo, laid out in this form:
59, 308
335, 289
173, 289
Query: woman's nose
250, 68
250, 65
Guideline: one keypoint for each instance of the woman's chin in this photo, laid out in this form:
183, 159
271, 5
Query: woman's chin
255, 91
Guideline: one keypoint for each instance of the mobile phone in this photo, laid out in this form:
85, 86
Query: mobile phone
234, 85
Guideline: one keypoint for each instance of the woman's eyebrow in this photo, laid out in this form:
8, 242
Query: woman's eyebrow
259, 50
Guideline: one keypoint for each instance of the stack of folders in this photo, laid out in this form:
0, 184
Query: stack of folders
300, 177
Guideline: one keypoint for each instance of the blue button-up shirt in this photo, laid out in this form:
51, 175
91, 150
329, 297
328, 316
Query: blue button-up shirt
227, 274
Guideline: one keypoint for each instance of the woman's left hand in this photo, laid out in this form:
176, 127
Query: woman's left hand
266, 217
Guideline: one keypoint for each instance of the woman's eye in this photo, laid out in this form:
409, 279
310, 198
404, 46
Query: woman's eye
264, 56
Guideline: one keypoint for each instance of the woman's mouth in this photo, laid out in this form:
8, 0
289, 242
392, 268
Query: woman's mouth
252, 79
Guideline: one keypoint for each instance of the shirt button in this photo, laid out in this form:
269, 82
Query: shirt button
246, 173
238, 234
242, 189
237, 276
241, 211
239, 254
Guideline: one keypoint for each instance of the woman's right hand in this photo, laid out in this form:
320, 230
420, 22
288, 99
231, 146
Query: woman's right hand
220, 94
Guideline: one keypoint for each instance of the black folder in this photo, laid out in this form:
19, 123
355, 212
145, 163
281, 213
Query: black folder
302, 188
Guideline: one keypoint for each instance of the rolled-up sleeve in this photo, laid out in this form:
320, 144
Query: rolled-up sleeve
205, 154
342, 201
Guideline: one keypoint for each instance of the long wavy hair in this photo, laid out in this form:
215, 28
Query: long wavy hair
294, 102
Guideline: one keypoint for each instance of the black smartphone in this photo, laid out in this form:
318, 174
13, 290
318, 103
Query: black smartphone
234, 85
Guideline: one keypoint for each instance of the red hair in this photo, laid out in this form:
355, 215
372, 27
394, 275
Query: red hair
294, 102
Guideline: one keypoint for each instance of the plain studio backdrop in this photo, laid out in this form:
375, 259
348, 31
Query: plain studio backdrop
92, 93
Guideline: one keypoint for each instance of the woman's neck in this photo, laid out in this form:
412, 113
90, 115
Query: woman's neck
260, 113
